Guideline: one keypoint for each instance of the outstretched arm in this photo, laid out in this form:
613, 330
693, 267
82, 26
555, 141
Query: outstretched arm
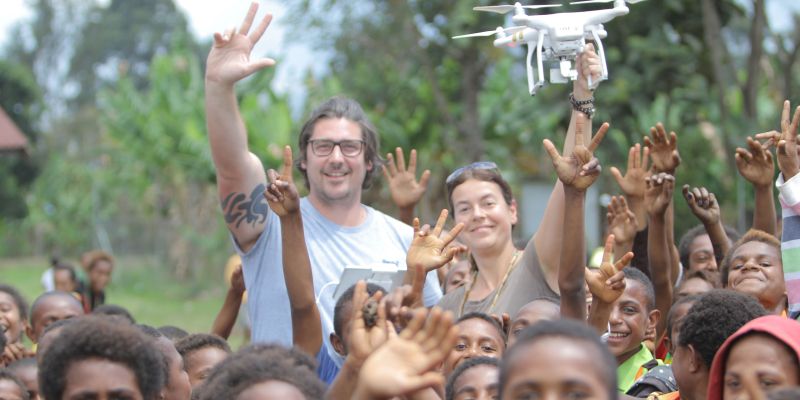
576, 172
547, 239
658, 198
240, 175
756, 167
281, 194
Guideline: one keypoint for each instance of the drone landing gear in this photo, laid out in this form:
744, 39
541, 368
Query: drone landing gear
533, 84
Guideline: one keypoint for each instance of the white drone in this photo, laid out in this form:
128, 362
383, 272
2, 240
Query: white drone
557, 37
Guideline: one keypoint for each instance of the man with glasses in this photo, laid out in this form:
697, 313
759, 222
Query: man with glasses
338, 156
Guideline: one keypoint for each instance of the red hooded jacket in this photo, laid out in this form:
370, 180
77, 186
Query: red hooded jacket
780, 328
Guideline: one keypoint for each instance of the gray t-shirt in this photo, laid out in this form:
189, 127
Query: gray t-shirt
331, 247
525, 284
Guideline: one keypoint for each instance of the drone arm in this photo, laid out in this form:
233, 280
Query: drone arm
602, 55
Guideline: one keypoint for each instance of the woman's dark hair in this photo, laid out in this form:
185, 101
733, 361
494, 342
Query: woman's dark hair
479, 174
342, 107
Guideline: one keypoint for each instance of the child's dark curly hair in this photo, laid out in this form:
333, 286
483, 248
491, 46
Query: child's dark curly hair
197, 341
247, 368
19, 300
97, 337
463, 367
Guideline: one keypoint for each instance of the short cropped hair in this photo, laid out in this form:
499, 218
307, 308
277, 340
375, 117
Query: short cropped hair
19, 300
244, 369
715, 316
114, 311
347, 298
342, 107
47, 295
94, 337
6, 375
639, 276
486, 317
463, 367
567, 329
172, 332
197, 341
672, 311
753, 235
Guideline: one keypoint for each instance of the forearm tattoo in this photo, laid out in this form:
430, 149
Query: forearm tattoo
252, 210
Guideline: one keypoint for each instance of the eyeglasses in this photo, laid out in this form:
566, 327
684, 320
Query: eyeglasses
486, 165
324, 147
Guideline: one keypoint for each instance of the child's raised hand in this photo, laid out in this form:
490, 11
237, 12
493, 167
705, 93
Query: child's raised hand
579, 169
621, 220
430, 248
703, 204
608, 282
237, 280
407, 363
632, 183
659, 193
281, 193
663, 149
755, 165
364, 339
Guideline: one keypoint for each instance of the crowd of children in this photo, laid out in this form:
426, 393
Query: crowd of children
711, 315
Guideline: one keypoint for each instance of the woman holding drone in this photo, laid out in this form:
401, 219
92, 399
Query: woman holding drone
505, 278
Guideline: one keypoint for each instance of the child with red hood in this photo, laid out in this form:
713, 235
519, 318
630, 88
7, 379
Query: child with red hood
760, 357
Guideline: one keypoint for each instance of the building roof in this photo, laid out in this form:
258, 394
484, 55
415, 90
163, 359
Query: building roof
11, 138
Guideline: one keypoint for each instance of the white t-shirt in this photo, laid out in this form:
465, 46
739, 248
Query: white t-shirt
379, 239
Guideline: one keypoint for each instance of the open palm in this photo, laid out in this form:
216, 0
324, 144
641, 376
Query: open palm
229, 60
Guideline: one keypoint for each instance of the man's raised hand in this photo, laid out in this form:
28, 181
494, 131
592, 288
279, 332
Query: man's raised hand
663, 149
406, 190
579, 169
229, 60
281, 192
429, 249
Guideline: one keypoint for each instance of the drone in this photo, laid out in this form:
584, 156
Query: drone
554, 38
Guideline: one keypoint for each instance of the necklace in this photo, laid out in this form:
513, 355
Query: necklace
498, 291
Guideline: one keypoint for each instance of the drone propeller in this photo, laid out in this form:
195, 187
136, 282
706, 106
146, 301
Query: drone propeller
499, 29
508, 8
604, 1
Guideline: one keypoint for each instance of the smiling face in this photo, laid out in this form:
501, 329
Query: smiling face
11, 322
100, 379
629, 321
755, 268
487, 218
476, 338
335, 178
477, 383
555, 368
757, 364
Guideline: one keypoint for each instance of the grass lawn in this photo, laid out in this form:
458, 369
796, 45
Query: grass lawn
146, 290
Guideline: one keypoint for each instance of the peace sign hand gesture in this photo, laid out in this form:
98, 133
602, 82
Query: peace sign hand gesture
229, 60
281, 193
608, 282
579, 169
